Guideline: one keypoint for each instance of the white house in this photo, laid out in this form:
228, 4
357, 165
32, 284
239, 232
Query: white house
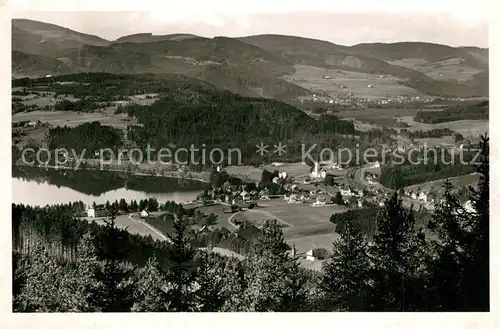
33, 123
345, 191
316, 254
276, 180
413, 195
422, 197
318, 203
97, 211
245, 195
143, 213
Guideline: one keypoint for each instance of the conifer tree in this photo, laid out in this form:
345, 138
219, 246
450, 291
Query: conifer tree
275, 282
345, 276
210, 279
83, 277
45, 283
394, 255
151, 289
445, 262
116, 282
477, 270
182, 273
460, 267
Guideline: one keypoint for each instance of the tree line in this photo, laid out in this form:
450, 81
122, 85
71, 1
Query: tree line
441, 165
479, 111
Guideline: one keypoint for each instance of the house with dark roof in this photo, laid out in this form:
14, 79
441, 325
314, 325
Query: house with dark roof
317, 254
95, 211
242, 205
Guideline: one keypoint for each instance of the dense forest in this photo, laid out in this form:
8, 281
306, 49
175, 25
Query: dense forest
401, 268
365, 219
88, 137
189, 112
440, 166
227, 121
479, 111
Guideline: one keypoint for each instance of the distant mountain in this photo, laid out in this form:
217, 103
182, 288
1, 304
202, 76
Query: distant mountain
45, 39
41, 65
426, 67
481, 54
149, 37
429, 52
259, 65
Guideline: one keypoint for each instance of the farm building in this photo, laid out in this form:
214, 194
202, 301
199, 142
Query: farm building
144, 214
422, 197
317, 254
95, 211
33, 123
242, 205
245, 195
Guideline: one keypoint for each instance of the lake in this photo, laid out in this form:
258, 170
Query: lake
39, 187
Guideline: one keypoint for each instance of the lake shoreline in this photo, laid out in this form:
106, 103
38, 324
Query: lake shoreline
40, 186
170, 174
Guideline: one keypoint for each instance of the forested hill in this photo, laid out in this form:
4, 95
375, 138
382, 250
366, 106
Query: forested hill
228, 121
187, 112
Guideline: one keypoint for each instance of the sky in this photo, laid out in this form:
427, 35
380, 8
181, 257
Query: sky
455, 23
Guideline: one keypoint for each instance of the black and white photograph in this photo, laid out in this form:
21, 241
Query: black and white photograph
216, 159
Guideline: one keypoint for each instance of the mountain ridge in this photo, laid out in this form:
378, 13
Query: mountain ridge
253, 65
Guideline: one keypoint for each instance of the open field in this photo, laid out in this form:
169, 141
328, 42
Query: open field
39, 101
218, 210
247, 172
308, 226
448, 69
464, 127
344, 82
255, 173
374, 113
68, 118
445, 141
131, 225
306, 243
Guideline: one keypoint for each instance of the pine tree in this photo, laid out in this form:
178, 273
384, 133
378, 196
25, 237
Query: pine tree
395, 258
46, 283
445, 263
151, 289
460, 266
182, 274
116, 282
477, 270
275, 282
210, 279
83, 275
234, 286
345, 276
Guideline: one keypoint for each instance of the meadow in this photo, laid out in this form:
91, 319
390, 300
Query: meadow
69, 118
343, 82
